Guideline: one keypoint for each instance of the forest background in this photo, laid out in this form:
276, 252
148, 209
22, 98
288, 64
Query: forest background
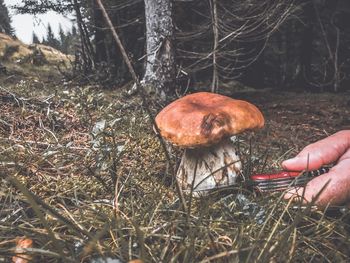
284, 45
83, 175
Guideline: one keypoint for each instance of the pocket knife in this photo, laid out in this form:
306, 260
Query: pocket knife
281, 180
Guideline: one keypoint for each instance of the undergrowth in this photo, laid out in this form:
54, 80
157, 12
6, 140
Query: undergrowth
84, 176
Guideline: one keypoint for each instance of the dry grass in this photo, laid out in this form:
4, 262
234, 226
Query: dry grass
31, 60
61, 157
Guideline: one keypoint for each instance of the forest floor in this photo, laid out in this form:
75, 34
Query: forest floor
84, 176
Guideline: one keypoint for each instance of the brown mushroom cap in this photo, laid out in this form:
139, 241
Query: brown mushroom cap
203, 119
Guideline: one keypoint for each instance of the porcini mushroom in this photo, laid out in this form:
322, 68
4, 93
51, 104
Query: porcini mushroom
203, 123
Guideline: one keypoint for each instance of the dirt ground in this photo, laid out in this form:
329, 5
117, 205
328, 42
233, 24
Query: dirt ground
293, 120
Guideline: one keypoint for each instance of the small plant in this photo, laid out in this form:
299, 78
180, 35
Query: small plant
37, 58
9, 51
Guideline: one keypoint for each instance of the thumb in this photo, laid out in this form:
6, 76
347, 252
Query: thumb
303, 162
320, 153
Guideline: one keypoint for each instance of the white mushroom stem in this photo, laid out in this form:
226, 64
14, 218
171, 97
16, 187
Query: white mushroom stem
205, 169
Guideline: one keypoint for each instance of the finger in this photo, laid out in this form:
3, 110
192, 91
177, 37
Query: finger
320, 153
345, 156
335, 193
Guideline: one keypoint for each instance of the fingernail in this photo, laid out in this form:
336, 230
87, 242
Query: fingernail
290, 161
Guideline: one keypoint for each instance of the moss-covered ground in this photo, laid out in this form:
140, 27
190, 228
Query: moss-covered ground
84, 176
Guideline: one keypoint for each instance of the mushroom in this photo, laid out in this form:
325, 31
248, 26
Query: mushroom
203, 123
21, 245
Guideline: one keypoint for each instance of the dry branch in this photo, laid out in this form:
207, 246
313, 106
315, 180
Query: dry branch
142, 91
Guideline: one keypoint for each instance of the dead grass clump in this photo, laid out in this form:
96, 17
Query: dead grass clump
9, 51
38, 60
83, 176
14, 50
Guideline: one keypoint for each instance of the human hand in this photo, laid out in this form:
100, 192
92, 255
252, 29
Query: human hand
335, 148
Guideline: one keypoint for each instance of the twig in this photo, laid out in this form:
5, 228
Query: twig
225, 254
43, 144
119, 43
215, 80
142, 91
33, 201
5, 123
38, 205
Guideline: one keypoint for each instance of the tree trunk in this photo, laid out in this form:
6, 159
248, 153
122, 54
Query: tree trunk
86, 47
160, 66
100, 34
306, 49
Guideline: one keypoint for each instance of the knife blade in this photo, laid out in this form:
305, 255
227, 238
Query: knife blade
281, 180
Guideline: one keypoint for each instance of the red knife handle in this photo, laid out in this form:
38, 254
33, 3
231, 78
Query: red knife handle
274, 176
288, 174
278, 181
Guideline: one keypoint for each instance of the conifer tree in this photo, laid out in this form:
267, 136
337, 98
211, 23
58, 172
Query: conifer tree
160, 66
51, 39
5, 19
61, 34
35, 39
72, 40
64, 39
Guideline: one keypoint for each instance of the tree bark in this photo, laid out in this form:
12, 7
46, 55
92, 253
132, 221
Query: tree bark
86, 47
306, 49
160, 66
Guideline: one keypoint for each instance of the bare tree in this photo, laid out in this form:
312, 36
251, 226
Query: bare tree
230, 34
330, 68
160, 65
